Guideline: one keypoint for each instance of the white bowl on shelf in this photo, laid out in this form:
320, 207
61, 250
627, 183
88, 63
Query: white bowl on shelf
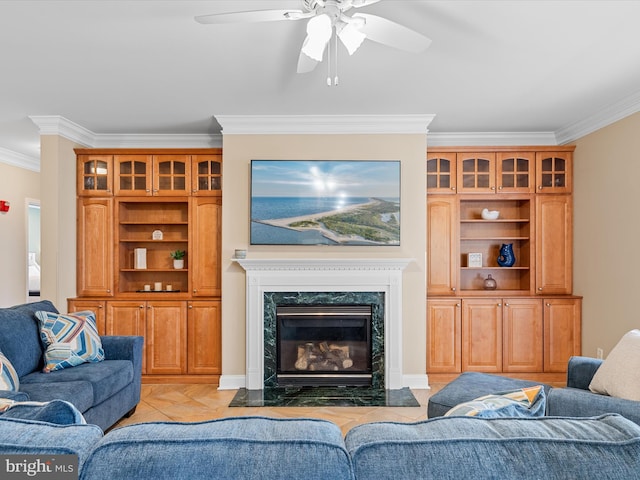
490, 214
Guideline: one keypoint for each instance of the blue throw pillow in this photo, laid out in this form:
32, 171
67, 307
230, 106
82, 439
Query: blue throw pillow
59, 412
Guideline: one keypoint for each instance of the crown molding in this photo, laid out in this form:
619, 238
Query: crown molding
602, 118
109, 140
57, 125
19, 160
463, 139
323, 124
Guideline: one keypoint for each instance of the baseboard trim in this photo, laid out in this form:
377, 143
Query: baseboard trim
231, 382
420, 381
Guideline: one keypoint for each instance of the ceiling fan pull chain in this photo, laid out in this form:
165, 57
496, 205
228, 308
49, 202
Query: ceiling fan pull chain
335, 43
329, 64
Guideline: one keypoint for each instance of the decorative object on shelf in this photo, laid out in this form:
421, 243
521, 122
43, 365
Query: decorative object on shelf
490, 214
506, 257
240, 253
157, 286
157, 235
147, 288
474, 260
140, 258
178, 258
490, 283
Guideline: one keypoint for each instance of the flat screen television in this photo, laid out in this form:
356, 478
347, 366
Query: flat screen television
325, 202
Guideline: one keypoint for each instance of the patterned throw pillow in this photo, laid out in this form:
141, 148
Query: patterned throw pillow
8, 376
70, 339
523, 402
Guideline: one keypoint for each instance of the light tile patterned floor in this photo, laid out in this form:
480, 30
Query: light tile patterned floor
196, 403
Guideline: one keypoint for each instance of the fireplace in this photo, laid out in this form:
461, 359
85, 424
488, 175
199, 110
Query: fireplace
323, 345
272, 282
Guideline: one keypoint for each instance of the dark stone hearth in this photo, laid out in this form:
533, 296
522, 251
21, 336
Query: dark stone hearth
324, 397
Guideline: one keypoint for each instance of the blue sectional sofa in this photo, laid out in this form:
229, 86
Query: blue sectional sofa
103, 392
606, 447
578, 401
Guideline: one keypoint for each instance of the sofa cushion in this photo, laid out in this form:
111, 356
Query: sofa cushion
522, 402
8, 376
231, 448
575, 402
471, 447
70, 339
20, 336
619, 374
30, 437
470, 385
85, 385
55, 411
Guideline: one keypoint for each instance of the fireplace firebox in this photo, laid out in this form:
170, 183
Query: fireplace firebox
327, 345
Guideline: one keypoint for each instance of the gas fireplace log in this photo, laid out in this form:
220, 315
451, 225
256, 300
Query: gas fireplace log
322, 356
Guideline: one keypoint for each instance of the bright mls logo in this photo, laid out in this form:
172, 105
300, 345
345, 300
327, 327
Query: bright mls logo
51, 467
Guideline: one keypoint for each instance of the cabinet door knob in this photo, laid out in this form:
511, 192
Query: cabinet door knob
493, 188
506, 304
539, 289
548, 304
457, 305
500, 187
453, 289
499, 305
141, 306
190, 306
539, 187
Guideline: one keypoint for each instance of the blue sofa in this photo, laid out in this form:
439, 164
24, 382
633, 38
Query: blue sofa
103, 392
578, 401
606, 447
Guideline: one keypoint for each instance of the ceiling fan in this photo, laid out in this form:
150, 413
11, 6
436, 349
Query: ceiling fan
325, 18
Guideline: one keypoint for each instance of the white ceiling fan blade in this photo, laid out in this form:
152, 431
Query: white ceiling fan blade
392, 34
306, 64
251, 16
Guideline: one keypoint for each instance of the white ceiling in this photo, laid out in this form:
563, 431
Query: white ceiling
146, 67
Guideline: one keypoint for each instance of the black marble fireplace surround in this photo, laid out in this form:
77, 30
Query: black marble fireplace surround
373, 395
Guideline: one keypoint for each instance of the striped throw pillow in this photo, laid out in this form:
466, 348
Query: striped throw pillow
70, 339
8, 376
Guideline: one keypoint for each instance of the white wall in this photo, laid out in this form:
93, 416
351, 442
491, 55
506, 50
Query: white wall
17, 186
239, 150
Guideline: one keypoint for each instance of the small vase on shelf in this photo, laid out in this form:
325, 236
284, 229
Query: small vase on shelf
506, 258
178, 258
178, 264
490, 283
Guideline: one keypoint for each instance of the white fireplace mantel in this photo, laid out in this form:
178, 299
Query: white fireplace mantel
323, 275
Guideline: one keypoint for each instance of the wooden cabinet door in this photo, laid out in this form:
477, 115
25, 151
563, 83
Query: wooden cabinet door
96, 306
204, 346
133, 175
442, 245
206, 175
554, 172
444, 339
476, 172
562, 332
515, 172
205, 238
441, 173
482, 335
171, 175
128, 318
94, 175
166, 337
554, 237
94, 264
522, 335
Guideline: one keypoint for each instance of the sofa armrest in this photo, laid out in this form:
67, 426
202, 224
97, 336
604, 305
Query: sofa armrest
581, 370
124, 348
15, 396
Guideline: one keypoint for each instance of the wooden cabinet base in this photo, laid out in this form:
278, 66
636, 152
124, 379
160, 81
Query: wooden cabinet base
553, 379
191, 379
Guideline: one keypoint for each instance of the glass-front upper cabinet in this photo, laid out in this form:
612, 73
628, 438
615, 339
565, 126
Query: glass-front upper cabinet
514, 172
147, 175
441, 172
95, 175
554, 172
476, 172
171, 175
206, 175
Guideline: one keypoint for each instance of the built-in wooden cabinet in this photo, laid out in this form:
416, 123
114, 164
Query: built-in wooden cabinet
507, 329
143, 203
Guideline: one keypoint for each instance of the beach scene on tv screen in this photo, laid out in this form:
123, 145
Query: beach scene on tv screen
334, 202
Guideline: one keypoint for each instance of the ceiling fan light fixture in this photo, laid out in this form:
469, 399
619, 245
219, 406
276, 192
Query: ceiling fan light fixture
350, 36
319, 32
